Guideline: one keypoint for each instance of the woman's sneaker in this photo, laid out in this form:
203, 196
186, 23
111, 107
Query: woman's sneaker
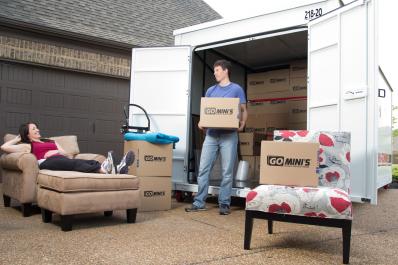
127, 160
108, 165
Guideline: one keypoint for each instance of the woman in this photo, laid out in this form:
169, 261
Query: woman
50, 155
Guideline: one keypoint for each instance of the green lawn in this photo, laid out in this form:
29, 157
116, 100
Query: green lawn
395, 172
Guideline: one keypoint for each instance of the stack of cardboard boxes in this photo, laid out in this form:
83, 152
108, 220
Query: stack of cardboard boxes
276, 100
153, 164
249, 148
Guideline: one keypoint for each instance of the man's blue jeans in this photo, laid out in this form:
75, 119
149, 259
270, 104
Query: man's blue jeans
227, 145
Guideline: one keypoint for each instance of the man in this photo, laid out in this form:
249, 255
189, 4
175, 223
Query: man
223, 141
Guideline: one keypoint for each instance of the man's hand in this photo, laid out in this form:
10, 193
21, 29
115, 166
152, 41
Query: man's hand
200, 127
51, 153
242, 125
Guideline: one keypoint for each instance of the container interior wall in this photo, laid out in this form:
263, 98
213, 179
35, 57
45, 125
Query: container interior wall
258, 56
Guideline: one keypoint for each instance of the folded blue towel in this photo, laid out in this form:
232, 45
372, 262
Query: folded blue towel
155, 138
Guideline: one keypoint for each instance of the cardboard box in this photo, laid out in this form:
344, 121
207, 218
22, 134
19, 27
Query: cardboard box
298, 69
155, 194
297, 111
298, 86
289, 163
219, 113
150, 159
268, 107
250, 143
260, 122
298, 126
259, 85
252, 166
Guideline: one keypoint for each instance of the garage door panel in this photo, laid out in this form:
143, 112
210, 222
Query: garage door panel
56, 79
14, 119
52, 124
17, 73
18, 96
83, 146
79, 126
77, 103
43, 77
76, 82
51, 99
107, 127
109, 106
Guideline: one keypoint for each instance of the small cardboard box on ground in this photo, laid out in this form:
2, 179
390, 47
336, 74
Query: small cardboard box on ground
151, 160
250, 143
219, 113
155, 194
289, 163
268, 84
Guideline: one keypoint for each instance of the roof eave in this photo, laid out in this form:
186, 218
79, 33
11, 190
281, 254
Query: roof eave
17, 24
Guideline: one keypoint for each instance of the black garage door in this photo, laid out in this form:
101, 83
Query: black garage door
64, 103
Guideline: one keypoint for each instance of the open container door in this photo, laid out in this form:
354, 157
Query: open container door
160, 79
341, 68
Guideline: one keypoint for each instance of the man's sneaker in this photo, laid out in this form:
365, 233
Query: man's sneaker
127, 160
224, 209
108, 165
195, 208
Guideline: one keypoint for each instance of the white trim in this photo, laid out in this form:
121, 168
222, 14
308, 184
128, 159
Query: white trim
225, 21
265, 36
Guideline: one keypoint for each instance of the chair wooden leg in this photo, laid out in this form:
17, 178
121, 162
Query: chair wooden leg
26, 209
7, 200
270, 227
66, 222
131, 215
248, 231
346, 242
46, 215
108, 213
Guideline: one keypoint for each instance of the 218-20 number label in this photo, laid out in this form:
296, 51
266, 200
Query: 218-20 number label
313, 13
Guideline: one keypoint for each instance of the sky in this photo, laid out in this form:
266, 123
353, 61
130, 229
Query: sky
388, 20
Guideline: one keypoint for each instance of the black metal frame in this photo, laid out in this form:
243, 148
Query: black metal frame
139, 129
344, 224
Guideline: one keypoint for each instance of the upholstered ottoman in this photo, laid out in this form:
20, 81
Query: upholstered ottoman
68, 193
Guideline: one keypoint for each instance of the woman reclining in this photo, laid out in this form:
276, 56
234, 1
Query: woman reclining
50, 154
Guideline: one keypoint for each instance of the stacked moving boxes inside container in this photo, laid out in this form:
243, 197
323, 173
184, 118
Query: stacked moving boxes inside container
276, 100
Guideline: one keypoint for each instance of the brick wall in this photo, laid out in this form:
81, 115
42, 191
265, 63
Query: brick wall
19, 49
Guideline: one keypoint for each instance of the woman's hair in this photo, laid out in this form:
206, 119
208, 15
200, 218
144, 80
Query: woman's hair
24, 132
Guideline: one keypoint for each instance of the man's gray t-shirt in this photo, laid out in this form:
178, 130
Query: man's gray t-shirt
232, 90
